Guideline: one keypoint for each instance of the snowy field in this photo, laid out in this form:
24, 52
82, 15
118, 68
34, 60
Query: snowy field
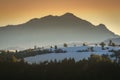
72, 52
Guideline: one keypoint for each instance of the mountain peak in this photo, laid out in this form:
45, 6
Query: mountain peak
68, 14
34, 19
102, 26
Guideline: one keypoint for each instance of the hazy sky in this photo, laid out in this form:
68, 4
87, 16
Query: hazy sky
95, 11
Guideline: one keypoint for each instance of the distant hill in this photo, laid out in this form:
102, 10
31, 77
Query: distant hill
115, 40
52, 30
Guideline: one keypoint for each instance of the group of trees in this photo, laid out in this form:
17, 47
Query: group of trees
38, 51
116, 54
111, 43
94, 68
7, 55
102, 44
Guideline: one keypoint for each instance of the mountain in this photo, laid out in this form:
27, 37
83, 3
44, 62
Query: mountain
52, 30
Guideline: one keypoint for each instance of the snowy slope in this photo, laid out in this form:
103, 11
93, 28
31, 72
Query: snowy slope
72, 52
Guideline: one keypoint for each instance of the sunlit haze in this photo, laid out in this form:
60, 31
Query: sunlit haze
96, 11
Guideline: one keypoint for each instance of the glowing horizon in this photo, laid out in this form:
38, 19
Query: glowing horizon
95, 11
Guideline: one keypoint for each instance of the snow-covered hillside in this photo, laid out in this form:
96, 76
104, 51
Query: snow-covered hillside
78, 53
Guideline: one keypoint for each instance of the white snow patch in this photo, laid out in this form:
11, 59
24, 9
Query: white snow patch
71, 53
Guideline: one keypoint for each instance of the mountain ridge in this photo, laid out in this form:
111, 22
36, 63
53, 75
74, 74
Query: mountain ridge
53, 30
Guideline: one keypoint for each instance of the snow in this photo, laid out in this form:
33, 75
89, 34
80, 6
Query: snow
72, 52
74, 49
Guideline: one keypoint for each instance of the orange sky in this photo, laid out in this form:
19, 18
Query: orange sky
95, 11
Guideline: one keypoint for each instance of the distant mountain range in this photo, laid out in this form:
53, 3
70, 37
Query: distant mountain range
53, 30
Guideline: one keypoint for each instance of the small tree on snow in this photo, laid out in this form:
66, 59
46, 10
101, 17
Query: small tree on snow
65, 45
102, 44
110, 43
56, 47
84, 44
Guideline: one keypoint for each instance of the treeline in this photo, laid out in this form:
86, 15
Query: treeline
34, 52
8, 56
94, 68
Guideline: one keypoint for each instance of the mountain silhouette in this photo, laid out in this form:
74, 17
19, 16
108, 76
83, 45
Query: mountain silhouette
53, 30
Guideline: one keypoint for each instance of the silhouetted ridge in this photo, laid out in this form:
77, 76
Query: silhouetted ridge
68, 14
33, 20
54, 30
61, 20
101, 25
